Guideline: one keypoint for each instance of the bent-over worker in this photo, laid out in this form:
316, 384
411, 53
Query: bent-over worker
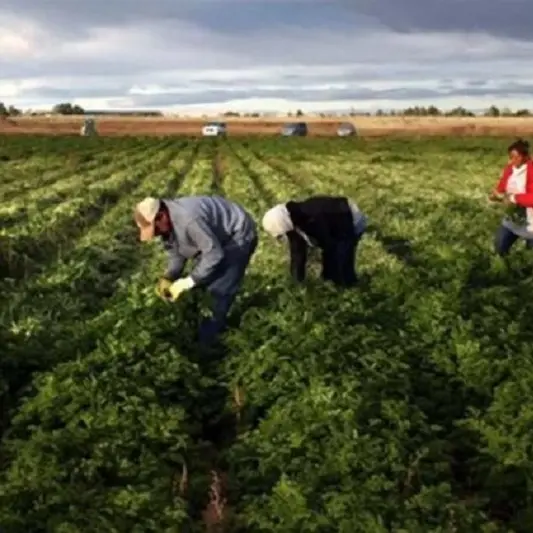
220, 235
515, 189
334, 224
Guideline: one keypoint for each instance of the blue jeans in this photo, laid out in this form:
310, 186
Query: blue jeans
505, 239
224, 288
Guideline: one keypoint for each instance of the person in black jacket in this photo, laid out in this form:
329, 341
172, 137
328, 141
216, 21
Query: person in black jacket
332, 223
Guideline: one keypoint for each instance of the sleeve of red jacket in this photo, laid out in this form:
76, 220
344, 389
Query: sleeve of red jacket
506, 174
526, 199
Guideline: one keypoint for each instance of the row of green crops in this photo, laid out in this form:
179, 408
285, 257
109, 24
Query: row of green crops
46, 314
401, 406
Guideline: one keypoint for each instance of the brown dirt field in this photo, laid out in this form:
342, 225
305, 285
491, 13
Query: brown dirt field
367, 126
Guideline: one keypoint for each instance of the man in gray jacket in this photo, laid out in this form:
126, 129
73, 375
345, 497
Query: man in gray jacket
220, 235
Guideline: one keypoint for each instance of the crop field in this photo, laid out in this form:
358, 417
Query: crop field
403, 405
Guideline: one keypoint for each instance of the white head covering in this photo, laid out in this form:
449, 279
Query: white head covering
277, 221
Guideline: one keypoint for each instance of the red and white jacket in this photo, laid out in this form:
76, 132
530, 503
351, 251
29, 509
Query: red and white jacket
518, 183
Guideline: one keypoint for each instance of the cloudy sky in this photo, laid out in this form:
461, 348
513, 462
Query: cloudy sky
219, 55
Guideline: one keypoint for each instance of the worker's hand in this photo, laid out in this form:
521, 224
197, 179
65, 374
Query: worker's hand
178, 288
495, 196
162, 287
509, 200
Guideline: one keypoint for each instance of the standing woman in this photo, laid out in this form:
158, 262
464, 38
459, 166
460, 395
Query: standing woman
332, 223
515, 189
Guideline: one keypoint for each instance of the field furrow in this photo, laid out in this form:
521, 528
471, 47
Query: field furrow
69, 175
40, 199
16, 181
291, 180
263, 189
52, 233
218, 172
18, 174
77, 287
136, 335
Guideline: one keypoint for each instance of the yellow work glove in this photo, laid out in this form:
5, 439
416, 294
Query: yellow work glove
162, 287
178, 288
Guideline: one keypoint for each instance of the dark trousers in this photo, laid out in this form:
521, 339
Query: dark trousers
339, 262
224, 288
505, 239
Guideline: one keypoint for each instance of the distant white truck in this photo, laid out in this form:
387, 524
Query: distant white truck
214, 129
346, 129
89, 128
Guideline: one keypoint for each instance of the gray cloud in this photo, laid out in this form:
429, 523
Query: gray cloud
221, 16
509, 18
208, 51
301, 94
157, 48
339, 95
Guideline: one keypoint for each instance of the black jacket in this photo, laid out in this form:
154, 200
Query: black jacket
325, 220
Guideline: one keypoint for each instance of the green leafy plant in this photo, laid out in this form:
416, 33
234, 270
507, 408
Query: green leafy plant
516, 214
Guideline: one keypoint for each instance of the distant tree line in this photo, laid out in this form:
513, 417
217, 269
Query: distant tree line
432, 111
66, 108
417, 111
10, 111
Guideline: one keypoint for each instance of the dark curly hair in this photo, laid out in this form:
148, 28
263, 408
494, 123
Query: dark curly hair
520, 146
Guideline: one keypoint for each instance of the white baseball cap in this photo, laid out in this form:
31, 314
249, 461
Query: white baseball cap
145, 214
